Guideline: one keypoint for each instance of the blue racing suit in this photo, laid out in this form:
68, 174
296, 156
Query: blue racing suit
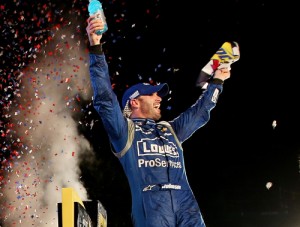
151, 153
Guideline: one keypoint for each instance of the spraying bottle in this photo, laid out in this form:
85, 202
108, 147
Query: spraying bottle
95, 8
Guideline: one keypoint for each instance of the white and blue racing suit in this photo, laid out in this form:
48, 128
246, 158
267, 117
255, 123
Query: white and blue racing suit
151, 153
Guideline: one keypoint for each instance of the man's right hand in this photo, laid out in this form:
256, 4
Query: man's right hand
222, 74
92, 27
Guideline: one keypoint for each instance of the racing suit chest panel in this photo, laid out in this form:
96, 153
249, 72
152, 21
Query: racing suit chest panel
154, 158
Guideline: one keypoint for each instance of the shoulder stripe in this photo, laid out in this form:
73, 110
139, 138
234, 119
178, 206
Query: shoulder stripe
129, 140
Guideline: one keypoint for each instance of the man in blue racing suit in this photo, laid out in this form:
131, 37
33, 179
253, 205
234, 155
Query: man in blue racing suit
150, 150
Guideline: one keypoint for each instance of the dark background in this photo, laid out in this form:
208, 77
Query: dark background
230, 160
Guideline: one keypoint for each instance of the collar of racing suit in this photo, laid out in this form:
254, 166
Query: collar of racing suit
143, 121
147, 123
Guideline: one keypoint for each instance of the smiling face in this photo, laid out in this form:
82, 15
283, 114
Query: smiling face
146, 106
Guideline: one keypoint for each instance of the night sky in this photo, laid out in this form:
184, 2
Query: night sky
243, 170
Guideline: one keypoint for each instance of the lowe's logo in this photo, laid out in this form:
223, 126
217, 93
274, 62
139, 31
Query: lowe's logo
147, 148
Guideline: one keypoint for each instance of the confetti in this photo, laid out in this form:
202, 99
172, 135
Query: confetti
274, 124
269, 185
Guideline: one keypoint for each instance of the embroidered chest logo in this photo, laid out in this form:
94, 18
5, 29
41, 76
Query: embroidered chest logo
148, 146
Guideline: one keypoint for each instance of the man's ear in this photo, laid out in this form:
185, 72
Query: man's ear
134, 103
